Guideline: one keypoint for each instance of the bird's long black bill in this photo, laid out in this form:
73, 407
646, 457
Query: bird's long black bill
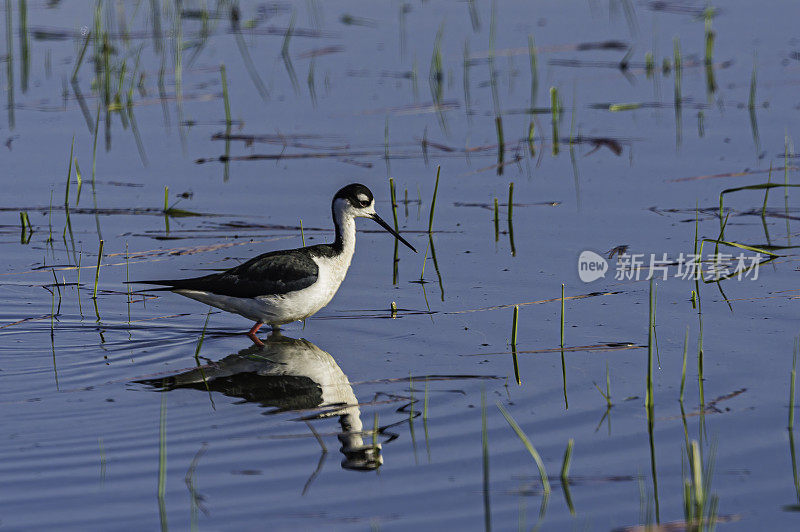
392, 231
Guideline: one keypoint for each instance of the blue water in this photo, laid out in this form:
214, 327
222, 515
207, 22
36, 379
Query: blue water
81, 444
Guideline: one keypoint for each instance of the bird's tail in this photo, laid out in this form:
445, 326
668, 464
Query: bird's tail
166, 285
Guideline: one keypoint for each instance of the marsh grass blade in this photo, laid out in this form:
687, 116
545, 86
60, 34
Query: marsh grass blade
678, 66
79, 178
563, 357
514, 345
501, 146
393, 197
433, 201
650, 349
386, 156
529, 446
225, 100
555, 110
792, 383
700, 505
510, 201
97, 270
496, 221
683, 368
711, 84
466, 65
530, 138
565, 465
766, 193
252, 71
649, 64
562, 315
10, 65
473, 16
751, 102
534, 71
69, 172
606, 394
81, 54
487, 499
128, 279
162, 461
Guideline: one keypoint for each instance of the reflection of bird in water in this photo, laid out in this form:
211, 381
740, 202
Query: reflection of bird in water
288, 374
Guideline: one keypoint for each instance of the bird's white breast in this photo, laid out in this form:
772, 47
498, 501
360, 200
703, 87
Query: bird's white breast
300, 304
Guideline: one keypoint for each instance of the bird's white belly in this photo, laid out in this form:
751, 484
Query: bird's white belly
279, 309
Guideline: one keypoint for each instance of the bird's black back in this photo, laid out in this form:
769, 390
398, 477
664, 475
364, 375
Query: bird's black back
276, 272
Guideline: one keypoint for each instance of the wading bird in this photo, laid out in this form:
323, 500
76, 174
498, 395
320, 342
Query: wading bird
283, 286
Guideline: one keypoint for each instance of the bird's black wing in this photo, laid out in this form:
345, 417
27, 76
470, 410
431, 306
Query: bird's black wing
277, 272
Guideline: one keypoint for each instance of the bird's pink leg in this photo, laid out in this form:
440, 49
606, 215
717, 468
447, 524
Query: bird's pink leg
252, 334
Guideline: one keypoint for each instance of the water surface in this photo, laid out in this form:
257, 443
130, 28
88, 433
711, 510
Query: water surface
361, 419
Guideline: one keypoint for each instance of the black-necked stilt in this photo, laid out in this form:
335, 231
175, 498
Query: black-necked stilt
287, 285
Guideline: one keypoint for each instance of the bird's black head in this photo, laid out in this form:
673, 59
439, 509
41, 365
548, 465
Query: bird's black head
356, 201
356, 194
